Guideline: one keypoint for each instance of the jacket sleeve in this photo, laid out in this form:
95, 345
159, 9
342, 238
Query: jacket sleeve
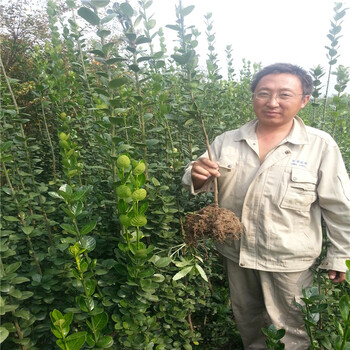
334, 200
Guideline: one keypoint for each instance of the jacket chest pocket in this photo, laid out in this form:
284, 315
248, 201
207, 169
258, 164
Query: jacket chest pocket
228, 169
228, 174
301, 191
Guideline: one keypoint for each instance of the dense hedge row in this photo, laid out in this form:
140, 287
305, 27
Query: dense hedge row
94, 143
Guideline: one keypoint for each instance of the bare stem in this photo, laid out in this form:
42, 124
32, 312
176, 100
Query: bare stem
199, 116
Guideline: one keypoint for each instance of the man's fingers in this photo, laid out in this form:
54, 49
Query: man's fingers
207, 162
336, 276
204, 168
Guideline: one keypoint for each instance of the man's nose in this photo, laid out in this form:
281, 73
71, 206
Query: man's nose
273, 100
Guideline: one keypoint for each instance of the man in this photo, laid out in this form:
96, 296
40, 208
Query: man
279, 177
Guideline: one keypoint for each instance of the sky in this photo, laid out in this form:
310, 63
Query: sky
262, 31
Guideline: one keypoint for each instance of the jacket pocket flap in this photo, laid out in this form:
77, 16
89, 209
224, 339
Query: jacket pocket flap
300, 175
227, 164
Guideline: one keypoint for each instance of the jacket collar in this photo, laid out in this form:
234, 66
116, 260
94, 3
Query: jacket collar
298, 134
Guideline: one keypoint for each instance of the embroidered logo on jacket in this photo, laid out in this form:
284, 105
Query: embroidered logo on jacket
299, 163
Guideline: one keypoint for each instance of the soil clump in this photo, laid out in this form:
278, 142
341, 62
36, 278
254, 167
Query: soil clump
214, 222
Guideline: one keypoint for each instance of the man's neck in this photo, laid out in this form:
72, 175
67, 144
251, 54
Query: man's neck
270, 137
263, 130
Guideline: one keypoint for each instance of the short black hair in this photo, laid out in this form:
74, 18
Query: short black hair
277, 68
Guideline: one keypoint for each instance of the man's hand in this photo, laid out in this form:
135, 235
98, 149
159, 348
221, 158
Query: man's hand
336, 276
202, 170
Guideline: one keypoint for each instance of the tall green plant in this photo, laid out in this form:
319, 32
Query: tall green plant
332, 55
317, 73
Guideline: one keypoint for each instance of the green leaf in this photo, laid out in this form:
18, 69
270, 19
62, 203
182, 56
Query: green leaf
144, 58
187, 10
344, 306
25, 314
66, 189
180, 59
100, 3
68, 318
134, 67
173, 27
90, 287
55, 315
146, 273
126, 9
347, 276
78, 195
5, 145
201, 272
115, 60
16, 293
108, 18
10, 218
143, 208
59, 342
162, 262
75, 341
115, 83
13, 267
155, 181
151, 24
158, 278
142, 40
90, 339
28, 229
4, 333
131, 36
6, 158
19, 280
8, 308
89, 243
105, 342
99, 53
26, 295
55, 195
103, 33
151, 297
89, 16
80, 300
77, 208
152, 142
69, 228
100, 321
88, 227
347, 346
182, 273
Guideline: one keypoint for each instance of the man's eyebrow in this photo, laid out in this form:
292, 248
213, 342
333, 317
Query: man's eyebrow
269, 89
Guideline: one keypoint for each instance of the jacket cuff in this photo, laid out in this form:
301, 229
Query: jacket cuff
208, 186
336, 264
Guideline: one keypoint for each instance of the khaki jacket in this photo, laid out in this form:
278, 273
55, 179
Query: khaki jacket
280, 202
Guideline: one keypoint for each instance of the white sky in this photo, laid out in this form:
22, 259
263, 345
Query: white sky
265, 31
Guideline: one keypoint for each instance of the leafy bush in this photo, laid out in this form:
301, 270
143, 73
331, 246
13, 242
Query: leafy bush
94, 143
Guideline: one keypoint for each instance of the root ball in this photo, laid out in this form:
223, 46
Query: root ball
214, 222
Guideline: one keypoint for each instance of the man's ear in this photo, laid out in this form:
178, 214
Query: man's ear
306, 99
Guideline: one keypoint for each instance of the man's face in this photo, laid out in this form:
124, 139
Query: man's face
278, 98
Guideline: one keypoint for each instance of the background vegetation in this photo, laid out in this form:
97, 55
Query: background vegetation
96, 128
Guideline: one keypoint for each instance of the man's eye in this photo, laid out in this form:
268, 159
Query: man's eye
285, 95
263, 94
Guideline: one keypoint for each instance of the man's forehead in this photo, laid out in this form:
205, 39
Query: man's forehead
285, 80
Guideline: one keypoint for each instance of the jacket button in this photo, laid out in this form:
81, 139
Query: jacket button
287, 152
